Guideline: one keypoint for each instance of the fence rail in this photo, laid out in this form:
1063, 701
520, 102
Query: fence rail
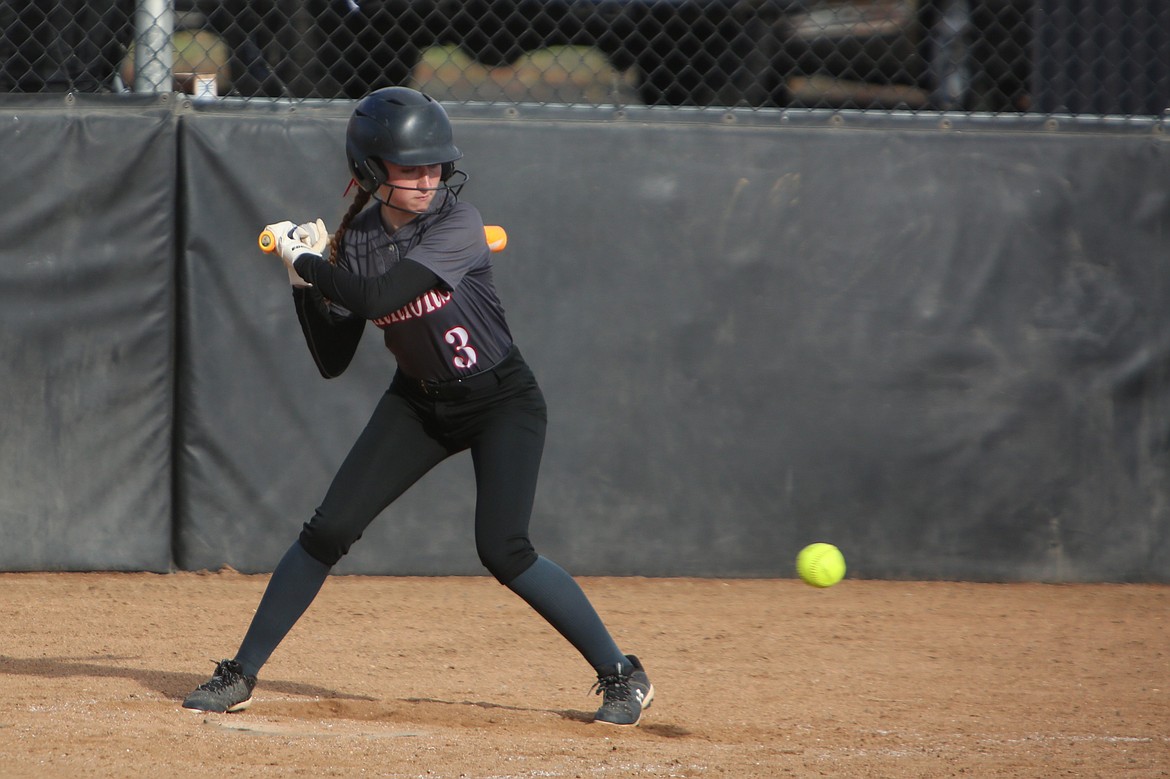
1080, 57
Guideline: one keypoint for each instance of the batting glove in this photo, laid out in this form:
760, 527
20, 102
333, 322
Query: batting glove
290, 245
314, 235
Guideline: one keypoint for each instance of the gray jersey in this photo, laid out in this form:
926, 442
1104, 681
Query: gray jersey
457, 328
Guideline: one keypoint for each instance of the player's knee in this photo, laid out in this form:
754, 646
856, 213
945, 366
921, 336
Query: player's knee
506, 558
326, 543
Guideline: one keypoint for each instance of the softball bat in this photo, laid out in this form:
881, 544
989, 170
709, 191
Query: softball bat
496, 237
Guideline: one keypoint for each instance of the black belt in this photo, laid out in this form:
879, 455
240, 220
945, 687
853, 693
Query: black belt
458, 389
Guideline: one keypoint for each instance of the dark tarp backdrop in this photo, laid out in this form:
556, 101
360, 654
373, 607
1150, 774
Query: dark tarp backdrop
87, 323
942, 348
945, 352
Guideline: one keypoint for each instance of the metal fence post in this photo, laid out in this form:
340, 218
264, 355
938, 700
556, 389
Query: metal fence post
154, 24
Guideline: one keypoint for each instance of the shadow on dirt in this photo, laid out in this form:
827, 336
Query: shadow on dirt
168, 683
663, 730
175, 686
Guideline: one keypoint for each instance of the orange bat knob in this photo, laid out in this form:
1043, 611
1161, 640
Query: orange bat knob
497, 239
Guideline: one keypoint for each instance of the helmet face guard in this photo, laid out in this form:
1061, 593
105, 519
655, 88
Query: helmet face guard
452, 181
401, 126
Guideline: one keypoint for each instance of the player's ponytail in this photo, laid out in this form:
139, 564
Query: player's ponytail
360, 198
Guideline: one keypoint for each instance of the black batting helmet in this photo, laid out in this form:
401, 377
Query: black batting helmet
401, 126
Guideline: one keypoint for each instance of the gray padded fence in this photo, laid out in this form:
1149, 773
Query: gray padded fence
943, 349
87, 324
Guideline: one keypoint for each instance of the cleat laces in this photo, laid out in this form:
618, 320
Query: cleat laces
225, 676
614, 687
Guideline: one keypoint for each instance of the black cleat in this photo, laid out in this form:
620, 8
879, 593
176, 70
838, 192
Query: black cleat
228, 690
627, 692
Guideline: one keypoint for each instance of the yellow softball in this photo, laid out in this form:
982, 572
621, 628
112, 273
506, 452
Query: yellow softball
821, 565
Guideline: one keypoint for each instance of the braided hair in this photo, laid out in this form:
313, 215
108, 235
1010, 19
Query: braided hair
360, 199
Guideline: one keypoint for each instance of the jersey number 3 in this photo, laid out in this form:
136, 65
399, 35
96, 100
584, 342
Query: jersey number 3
465, 355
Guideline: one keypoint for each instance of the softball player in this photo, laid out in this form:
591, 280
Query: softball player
418, 266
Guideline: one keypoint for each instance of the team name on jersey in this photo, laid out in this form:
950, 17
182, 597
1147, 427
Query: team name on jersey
424, 304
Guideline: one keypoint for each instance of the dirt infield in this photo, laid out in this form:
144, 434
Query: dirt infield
454, 677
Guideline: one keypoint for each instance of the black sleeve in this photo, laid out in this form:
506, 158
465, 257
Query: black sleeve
369, 297
332, 340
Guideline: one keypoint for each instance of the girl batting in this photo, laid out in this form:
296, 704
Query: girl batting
415, 263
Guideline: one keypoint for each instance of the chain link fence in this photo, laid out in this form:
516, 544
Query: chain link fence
1080, 57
